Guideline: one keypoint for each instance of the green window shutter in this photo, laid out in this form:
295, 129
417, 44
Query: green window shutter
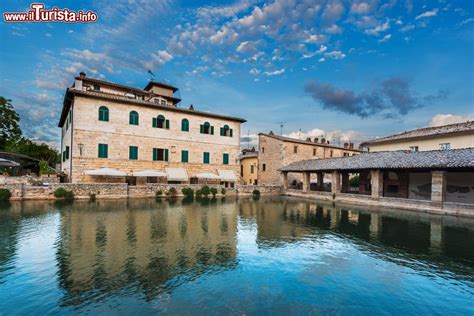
155, 122
67, 152
64, 156
231, 132
155, 154
103, 151
130, 119
166, 154
221, 131
205, 158
225, 159
184, 156
201, 129
212, 130
133, 153
167, 124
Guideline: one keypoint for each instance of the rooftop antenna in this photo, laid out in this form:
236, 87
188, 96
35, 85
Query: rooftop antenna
248, 139
152, 75
299, 133
281, 127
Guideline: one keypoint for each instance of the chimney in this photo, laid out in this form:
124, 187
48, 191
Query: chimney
351, 145
327, 142
316, 139
82, 74
191, 107
271, 133
346, 145
323, 140
308, 139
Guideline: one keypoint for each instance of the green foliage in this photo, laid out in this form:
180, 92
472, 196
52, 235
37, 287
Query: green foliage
256, 194
62, 193
354, 181
198, 194
5, 195
223, 191
44, 167
92, 197
188, 193
205, 191
24, 146
172, 192
9, 123
159, 193
213, 192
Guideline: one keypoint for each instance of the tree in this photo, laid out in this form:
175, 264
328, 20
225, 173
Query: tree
9, 123
25, 146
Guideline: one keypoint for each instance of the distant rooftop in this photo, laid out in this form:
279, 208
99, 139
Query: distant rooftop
307, 142
426, 132
402, 159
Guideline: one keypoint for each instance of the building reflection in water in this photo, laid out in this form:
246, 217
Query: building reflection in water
115, 245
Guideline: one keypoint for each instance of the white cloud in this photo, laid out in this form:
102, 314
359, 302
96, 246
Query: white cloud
466, 21
427, 14
321, 50
333, 29
159, 58
322, 59
315, 39
385, 38
378, 29
361, 8
336, 137
275, 73
445, 119
337, 54
247, 47
254, 71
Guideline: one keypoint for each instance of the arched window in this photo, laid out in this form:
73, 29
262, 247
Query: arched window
185, 125
226, 131
206, 128
103, 114
161, 122
133, 119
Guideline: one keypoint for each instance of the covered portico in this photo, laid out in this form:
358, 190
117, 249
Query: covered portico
440, 177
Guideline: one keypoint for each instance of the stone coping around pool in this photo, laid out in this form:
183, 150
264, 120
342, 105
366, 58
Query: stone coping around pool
447, 208
123, 190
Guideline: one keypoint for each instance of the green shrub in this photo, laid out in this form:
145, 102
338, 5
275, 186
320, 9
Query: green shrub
92, 197
198, 194
5, 195
44, 167
159, 193
213, 192
205, 191
354, 182
60, 192
256, 194
188, 193
172, 192
223, 191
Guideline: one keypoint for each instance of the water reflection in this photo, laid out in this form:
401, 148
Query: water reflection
148, 249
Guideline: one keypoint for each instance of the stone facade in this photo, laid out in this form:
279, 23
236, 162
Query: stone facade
83, 132
249, 168
276, 152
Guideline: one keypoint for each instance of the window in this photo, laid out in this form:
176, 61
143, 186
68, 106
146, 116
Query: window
263, 150
206, 157
163, 102
414, 148
103, 114
96, 87
206, 128
133, 118
264, 167
160, 154
345, 154
225, 159
184, 125
133, 153
103, 151
184, 156
445, 146
314, 151
67, 152
226, 131
330, 153
252, 167
161, 122
295, 149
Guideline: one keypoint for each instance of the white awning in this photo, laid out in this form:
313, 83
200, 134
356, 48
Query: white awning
206, 175
227, 175
149, 173
177, 174
8, 163
106, 172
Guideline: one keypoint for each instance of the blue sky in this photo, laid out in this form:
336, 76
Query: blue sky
351, 70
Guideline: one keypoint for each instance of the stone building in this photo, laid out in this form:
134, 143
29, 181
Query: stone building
249, 166
427, 179
129, 130
452, 136
278, 151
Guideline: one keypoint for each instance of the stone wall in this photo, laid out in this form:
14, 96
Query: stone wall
122, 190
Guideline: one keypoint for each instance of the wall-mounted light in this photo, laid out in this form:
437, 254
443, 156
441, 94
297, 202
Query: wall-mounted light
81, 147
